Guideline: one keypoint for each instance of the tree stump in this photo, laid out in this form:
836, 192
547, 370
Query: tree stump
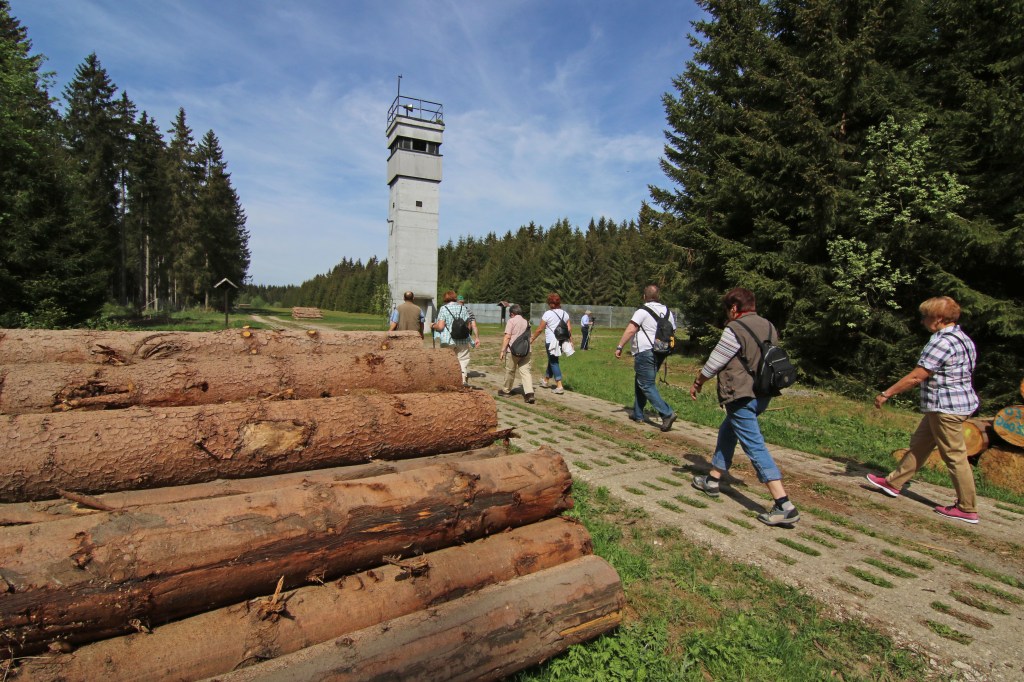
1009, 425
1004, 466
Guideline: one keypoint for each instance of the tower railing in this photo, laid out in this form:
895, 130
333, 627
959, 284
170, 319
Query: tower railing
413, 107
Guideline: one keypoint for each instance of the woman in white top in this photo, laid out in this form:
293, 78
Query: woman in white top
551, 320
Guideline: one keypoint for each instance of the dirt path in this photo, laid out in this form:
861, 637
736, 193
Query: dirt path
284, 323
892, 562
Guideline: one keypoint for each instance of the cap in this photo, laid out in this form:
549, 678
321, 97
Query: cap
589, 312
460, 297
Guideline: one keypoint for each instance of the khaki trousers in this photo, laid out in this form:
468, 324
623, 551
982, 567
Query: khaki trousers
945, 431
520, 366
462, 353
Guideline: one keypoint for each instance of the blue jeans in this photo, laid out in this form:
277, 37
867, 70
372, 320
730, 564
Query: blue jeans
645, 367
741, 425
553, 371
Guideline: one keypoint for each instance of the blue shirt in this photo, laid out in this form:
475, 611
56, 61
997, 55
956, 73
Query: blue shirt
950, 356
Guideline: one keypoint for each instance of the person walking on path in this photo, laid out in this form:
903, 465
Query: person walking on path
551, 319
586, 323
454, 309
640, 332
516, 363
738, 349
945, 373
407, 316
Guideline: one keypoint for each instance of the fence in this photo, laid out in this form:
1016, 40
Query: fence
616, 317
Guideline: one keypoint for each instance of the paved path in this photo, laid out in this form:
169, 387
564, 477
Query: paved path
849, 533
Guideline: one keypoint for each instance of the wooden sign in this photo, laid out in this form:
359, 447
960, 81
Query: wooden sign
1009, 424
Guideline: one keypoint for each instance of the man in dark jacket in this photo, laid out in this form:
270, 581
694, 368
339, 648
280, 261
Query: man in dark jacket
739, 349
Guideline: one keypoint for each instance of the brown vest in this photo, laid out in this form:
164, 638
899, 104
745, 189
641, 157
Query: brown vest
734, 382
409, 317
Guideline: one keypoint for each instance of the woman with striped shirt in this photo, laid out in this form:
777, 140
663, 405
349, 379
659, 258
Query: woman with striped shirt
944, 371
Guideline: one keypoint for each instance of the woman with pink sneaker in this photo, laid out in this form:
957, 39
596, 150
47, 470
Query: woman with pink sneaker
944, 372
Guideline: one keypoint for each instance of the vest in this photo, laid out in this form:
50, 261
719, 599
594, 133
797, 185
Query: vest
734, 382
409, 317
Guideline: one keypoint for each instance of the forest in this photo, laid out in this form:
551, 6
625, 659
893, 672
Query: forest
96, 206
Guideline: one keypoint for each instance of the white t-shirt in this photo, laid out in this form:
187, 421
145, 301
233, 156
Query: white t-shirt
648, 325
551, 319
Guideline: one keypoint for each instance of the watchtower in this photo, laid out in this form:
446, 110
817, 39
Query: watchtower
414, 131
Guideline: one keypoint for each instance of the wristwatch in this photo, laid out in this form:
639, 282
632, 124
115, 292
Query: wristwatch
618, 347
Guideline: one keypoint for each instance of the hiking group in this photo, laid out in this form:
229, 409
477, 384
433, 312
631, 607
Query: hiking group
751, 368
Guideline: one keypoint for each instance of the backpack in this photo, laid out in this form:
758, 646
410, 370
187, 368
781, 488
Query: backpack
460, 328
520, 346
562, 333
775, 372
664, 341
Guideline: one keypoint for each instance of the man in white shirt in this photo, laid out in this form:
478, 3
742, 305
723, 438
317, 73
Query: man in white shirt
641, 330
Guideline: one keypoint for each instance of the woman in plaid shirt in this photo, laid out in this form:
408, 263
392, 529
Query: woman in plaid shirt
944, 372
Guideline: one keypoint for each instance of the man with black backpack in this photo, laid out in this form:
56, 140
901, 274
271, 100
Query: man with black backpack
742, 361
652, 331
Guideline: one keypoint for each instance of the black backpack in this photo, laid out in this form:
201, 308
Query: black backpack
664, 341
562, 333
460, 328
775, 372
520, 346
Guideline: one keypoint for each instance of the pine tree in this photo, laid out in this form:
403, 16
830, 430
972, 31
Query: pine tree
47, 276
185, 173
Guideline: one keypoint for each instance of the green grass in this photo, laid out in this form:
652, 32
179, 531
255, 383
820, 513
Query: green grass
948, 632
583, 465
652, 486
716, 527
889, 568
796, 546
631, 489
740, 522
692, 616
909, 560
692, 502
869, 577
811, 537
998, 593
976, 603
833, 532
668, 481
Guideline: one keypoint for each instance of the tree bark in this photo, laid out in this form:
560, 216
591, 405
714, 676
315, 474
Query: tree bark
125, 348
219, 641
1009, 425
89, 578
51, 387
487, 635
140, 447
1004, 467
19, 513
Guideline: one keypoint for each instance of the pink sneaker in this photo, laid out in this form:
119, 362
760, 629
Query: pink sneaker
883, 485
955, 512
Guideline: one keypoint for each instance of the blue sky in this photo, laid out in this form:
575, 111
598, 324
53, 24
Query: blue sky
552, 107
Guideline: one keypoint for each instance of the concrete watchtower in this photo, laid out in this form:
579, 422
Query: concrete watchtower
414, 134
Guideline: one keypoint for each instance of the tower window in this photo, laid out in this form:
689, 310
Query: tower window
413, 145
419, 204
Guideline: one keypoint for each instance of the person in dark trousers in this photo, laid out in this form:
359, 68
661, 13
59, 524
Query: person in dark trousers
586, 324
738, 349
640, 332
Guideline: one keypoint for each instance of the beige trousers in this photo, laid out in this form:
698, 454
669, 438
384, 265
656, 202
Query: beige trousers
520, 366
945, 431
462, 353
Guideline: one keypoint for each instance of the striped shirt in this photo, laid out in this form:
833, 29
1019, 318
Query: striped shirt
727, 348
950, 356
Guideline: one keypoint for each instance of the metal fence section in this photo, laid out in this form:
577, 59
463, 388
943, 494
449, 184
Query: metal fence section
616, 317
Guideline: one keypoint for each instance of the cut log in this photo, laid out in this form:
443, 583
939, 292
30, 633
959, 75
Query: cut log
124, 348
86, 579
487, 635
49, 387
299, 313
1004, 466
19, 513
1009, 425
225, 639
140, 447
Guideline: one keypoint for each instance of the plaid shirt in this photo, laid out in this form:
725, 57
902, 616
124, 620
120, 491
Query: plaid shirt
950, 356
448, 312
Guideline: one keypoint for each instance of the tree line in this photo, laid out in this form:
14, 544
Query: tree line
606, 264
96, 206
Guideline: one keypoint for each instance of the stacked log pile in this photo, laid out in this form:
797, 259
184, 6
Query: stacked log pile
995, 445
185, 506
307, 314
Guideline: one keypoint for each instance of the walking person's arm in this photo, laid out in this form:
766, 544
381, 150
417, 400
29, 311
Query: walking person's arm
627, 336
